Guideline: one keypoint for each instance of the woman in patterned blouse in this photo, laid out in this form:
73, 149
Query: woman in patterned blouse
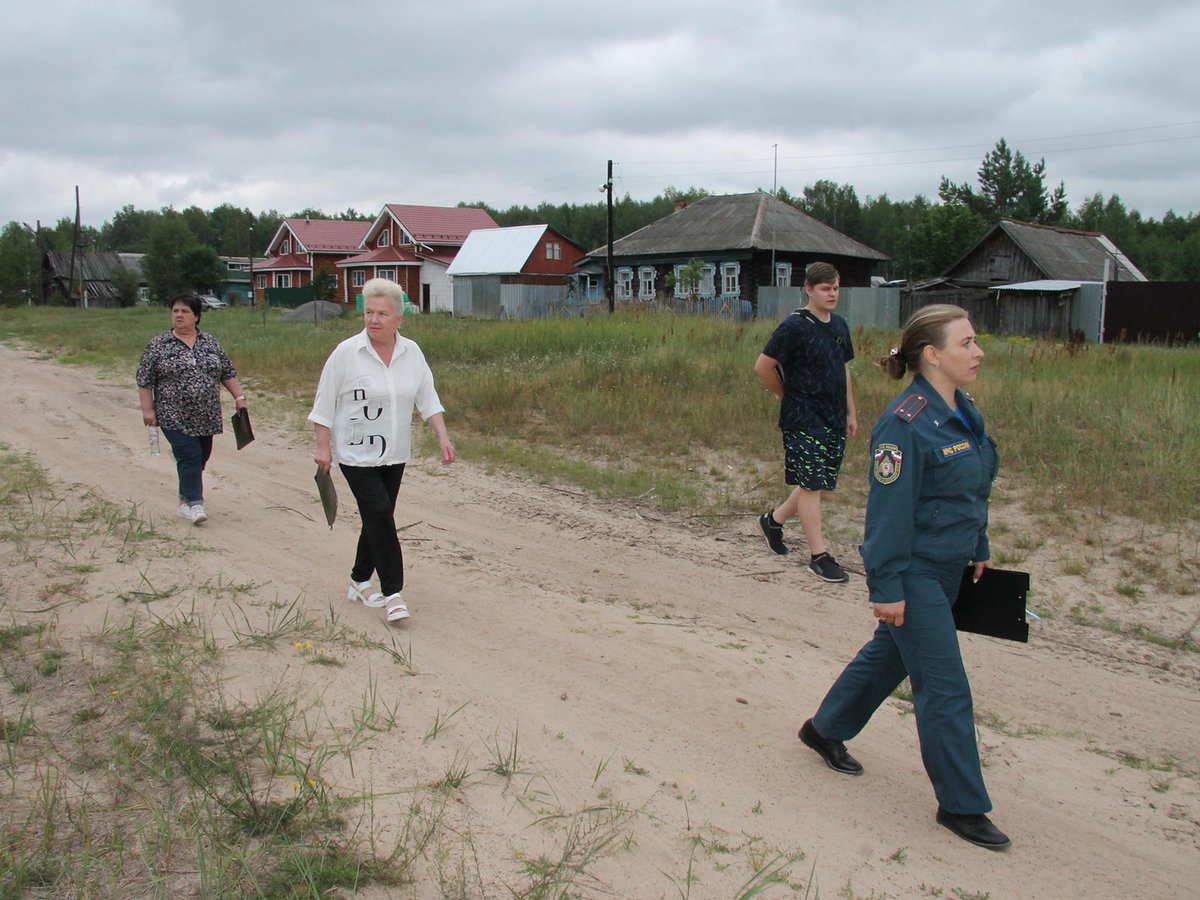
179, 383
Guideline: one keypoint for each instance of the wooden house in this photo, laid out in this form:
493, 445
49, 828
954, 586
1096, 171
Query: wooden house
521, 272
412, 245
1040, 281
301, 248
237, 290
742, 242
92, 276
1014, 252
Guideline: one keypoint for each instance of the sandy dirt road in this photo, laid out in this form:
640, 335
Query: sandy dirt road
645, 661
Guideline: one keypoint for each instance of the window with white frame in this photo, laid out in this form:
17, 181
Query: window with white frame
553, 250
683, 286
285, 248
624, 283
358, 278
706, 287
262, 281
646, 282
385, 238
389, 274
783, 275
283, 279
731, 282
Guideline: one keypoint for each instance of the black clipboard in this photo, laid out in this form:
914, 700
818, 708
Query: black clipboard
995, 605
328, 492
242, 432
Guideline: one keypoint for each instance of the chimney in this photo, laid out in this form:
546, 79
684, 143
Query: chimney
680, 204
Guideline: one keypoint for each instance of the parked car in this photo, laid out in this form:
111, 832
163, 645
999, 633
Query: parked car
208, 301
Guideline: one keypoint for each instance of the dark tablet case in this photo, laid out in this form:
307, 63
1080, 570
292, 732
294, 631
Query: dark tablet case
242, 432
994, 606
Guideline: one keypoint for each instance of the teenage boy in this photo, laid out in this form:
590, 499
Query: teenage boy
806, 366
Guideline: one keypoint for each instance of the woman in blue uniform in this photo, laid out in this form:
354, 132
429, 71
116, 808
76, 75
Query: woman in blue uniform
933, 464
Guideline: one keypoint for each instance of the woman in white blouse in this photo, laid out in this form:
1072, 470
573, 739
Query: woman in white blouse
362, 415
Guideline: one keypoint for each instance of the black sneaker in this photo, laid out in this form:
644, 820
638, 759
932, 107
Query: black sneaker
826, 568
773, 532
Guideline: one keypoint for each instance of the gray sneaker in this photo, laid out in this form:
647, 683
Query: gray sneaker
826, 568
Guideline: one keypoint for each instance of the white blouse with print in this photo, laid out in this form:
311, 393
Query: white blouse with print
369, 406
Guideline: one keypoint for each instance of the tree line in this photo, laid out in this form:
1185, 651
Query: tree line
922, 236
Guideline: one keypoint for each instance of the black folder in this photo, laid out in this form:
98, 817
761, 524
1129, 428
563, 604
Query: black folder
242, 432
995, 605
328, 495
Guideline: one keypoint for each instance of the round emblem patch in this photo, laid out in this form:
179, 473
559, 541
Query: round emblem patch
887, 463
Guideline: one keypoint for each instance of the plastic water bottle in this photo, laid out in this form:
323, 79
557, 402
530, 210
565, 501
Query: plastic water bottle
153, 432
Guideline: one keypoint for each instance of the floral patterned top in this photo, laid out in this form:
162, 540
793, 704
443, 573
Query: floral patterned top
186, 382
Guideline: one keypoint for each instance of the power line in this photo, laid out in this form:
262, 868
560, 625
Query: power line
937, 149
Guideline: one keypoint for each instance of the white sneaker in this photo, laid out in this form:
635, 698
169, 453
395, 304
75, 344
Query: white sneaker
396, 610
184, 512
197, 514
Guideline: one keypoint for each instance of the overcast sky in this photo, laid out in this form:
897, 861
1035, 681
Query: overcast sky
364, 102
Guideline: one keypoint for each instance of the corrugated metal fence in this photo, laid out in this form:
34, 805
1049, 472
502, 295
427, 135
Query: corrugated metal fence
861, 307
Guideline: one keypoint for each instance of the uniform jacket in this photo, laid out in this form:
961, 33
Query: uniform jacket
931, 476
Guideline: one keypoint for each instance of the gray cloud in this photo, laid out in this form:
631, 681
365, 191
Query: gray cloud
333, 105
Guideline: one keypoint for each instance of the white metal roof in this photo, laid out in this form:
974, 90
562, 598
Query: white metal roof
1045, 284
496, 251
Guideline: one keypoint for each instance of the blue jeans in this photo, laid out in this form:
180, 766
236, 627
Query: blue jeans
925, 648
191, 456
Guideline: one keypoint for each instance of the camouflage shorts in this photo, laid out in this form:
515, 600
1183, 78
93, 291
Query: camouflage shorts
812, 461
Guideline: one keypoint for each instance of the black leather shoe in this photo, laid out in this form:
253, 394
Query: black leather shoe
833, 752
975, 828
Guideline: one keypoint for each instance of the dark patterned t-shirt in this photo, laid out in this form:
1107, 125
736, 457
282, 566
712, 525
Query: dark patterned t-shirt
813, 356
186, 382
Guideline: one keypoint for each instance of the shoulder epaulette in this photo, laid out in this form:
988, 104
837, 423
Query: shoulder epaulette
910, 407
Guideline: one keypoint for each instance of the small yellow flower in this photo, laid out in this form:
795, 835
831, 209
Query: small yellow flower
115, 693
308, 646
296, 786
298, 645
312, 782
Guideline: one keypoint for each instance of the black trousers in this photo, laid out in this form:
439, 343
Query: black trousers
375, 488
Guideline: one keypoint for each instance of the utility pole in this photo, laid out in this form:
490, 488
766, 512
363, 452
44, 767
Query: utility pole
774, 194
74, 252
29, 262
609, 291
250, 232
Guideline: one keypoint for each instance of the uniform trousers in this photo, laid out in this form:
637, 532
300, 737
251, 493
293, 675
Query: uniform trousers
925, 648
375, 489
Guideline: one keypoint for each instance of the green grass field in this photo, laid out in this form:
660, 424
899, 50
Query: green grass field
667, 406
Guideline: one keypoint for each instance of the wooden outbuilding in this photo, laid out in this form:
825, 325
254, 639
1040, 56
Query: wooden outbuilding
520, 272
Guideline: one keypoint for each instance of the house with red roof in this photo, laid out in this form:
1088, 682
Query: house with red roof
412, 245
302, 248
